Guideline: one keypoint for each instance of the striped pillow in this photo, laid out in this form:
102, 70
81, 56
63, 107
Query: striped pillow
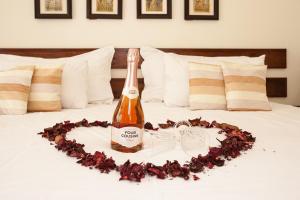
14, 90
245, 87
207, 90
45, 94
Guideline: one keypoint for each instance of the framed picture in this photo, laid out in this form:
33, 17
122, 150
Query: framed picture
104, 9
201, 9
53, 9
154, 9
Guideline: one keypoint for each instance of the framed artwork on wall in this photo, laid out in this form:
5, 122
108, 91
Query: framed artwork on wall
104, 9
154, 9
53, 9
201, 9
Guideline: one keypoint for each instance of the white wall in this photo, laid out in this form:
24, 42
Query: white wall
242, 24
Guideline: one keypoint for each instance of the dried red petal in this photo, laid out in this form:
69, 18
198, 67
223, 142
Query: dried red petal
196, 165
167, 125
172, 123
104, 124
176, 170
164, 126
195, 122
157, 171
196, 178
199, 122
131, 172
149, 126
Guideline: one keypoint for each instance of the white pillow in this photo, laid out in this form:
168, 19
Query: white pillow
99, 75
176, 85
153, 73
75, 84
86, 76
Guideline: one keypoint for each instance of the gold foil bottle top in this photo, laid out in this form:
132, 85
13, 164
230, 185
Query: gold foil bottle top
133, 56
131, 85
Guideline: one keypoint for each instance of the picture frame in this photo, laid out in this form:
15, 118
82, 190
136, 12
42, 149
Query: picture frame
53, 9
201, 9
154, 9
104, 9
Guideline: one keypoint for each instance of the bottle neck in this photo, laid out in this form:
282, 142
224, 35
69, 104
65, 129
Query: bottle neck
131, 79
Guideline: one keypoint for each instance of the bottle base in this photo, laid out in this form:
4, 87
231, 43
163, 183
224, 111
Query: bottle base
117, 147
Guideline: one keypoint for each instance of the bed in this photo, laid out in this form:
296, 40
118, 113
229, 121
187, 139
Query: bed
32, 169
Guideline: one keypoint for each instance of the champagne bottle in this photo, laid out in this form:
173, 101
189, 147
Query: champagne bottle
128, 120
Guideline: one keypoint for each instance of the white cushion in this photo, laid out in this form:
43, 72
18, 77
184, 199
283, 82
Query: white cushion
14, 100
176, 84
153, 73
75, 84
99, 75
86, 76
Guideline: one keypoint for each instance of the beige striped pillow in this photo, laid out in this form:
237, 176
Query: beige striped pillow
245, 87
45, 94
207, 91
14, 90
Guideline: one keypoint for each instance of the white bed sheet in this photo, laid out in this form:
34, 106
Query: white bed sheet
32, 169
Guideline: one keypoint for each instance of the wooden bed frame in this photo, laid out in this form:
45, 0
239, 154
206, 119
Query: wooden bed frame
275, 59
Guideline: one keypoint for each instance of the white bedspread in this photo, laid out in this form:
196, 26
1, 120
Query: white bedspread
32, 169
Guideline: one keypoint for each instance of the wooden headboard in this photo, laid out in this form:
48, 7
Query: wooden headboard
275, 59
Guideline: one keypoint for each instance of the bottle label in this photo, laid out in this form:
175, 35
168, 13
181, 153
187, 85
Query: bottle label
127, 136
131, 92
